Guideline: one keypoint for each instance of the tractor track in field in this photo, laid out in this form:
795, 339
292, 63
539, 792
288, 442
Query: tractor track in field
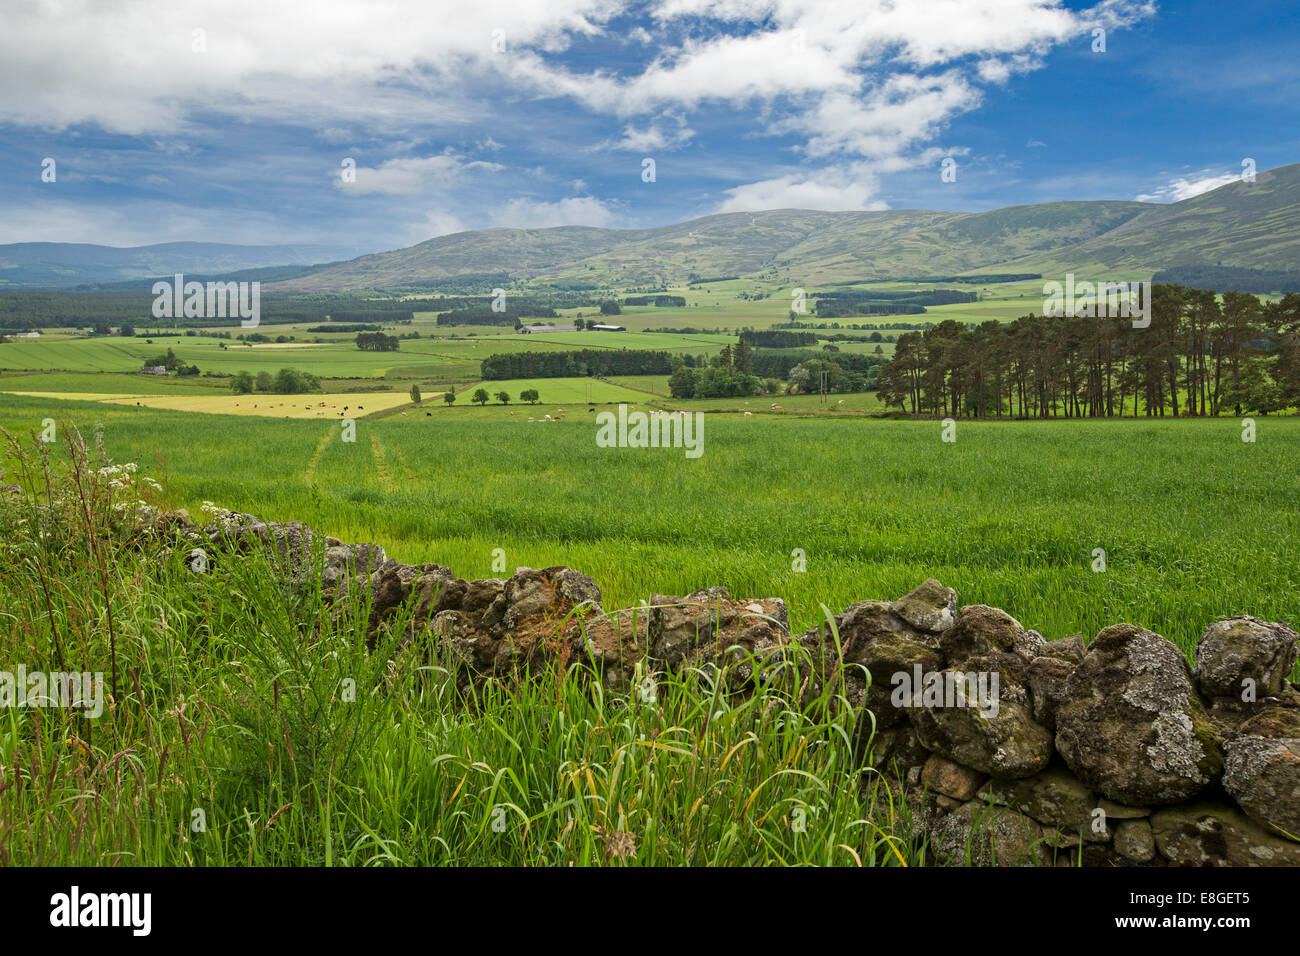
401, 461
309, 473
381, 462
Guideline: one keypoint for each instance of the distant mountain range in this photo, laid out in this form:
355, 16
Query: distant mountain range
1244, 225
1254, 225
70, 264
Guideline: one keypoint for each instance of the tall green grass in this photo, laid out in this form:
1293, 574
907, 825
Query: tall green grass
248, 725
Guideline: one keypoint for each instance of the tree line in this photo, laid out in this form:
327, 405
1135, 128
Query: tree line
1200, 355
287, 381
583, 362
1234, 278
775, 339
377, 342
659, 301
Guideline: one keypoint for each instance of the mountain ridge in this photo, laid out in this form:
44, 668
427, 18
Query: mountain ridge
1253, 225
68, 264
1243, 224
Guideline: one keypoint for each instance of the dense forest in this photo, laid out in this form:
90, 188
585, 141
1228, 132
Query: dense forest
583, 362
659, 301
851, 302
1198, 356
1231, 279
484, 315
377, 342
23, 310
768, 339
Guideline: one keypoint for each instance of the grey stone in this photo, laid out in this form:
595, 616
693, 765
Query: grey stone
980, 835
1005, 742
1135, 840
929, 607
1216, 834
1262, 769
1244, 653
951, 779
1131, 725
981, 630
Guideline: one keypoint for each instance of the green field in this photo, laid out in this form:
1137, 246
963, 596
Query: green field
1009, 515
653, 384
339, 358
1196, 525
558, 391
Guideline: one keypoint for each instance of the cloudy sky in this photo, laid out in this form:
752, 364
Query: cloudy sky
380, 123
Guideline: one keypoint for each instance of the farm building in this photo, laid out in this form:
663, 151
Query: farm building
154, 370
526, 329
607, 328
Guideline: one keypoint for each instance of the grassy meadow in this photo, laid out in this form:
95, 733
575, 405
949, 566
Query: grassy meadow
233, 735
1195, 523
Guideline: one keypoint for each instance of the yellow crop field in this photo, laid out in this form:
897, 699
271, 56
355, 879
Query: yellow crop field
338, 405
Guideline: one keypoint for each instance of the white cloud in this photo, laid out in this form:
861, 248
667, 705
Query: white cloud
870, 80
831, 189
404, 177
438, 222
903, 111
574, 211
865, 87
1183, 188
133, 67
666, 132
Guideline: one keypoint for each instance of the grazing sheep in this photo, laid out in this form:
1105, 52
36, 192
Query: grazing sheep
749, 414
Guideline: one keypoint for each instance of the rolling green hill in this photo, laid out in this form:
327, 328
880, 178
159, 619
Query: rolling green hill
1241, 224
1253, 225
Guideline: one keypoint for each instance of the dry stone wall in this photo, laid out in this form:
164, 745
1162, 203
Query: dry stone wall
1003, 747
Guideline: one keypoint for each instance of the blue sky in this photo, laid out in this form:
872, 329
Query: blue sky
181, 120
